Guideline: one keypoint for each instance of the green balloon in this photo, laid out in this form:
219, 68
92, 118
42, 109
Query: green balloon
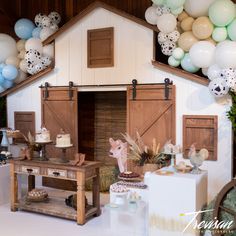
174, 4
222, 12
173, 62
219, 34
187, 64
177, 11
232, 30
158, 2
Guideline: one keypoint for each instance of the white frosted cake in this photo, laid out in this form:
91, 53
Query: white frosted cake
63, 140
43, 136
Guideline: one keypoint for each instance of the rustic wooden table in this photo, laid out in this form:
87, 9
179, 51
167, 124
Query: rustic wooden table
56, 204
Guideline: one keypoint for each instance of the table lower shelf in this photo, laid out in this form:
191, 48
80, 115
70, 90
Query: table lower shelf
54, 206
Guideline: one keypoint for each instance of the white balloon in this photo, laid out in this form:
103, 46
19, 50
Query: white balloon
23, 65
204, 71
196, 8
21, 76
202, 54
48, 50
151, 16
166, 23
35, 44
213, 72
46, 32
7, 47
12, 60
20, 45
218, 87
225, 54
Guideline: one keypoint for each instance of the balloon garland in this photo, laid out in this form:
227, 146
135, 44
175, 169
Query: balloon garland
27, 55
199, 35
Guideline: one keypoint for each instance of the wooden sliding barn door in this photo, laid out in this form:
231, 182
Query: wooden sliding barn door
151, 114
59, 111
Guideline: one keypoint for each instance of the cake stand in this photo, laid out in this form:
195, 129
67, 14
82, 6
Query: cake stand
171, 168
43, 154
62, 158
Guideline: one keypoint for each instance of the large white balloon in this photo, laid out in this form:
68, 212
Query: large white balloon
7, 47
35, 44
225, 54
213, 72
166, 23
202, 54
151, 15
196, 8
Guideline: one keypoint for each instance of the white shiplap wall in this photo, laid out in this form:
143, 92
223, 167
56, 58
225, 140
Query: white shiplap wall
133, 55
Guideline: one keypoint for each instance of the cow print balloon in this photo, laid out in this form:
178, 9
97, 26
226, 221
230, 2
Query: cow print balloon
55, 17
218, 87
31, 69
46, 61
39, 67
162, 37
229, 75
32, 57
38, 20
46, 21
167, 48
54, 27
173, 36
160, 10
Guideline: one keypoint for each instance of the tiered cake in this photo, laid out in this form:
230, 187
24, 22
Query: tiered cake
43, 136
63, 140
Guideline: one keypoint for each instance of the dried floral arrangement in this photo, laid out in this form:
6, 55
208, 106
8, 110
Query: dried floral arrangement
143, 154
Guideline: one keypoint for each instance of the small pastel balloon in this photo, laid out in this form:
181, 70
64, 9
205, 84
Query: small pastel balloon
2, 89
2, 65
232, 30
204, 71
187, 64
21, 55
15, 61
178, 53
202, 27
187, 23
173, 62
34, 44
166, 23
36, 32
23, 65
1, 79
187, 40
21, 77
219, 34
55, 17
222, 12
158, 2
202, 54
211, 40
20, 45
174, 4
48, 50
46, 32
23, 28
213, 72
151, 16
177, 11
218, 87
182, 16
7, 84
9, 72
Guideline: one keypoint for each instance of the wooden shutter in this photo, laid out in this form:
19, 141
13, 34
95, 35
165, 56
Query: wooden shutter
59, 111
201, 130
25, 122
151, 114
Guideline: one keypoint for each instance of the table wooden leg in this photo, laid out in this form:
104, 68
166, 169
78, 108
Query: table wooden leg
80, 198
31, 182
14, 189
96, 193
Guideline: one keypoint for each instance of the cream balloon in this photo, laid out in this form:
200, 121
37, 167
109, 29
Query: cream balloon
225, 55
20, 45
196, 8
187, 40
12, 60
48, 50
166, 23
21, 76
23, 65
211, 40
182, 16
151, 16
21, 55
202, 27
7, 47
35, 44
187, 24
202, 54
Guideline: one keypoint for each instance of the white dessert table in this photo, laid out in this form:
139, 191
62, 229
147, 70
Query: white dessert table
170, 196
4, 184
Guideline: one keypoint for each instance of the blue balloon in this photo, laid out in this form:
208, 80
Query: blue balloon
23, 28
1, 79
7, 84
2, 89
187, 64
9, 72
36, 32
2, 66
